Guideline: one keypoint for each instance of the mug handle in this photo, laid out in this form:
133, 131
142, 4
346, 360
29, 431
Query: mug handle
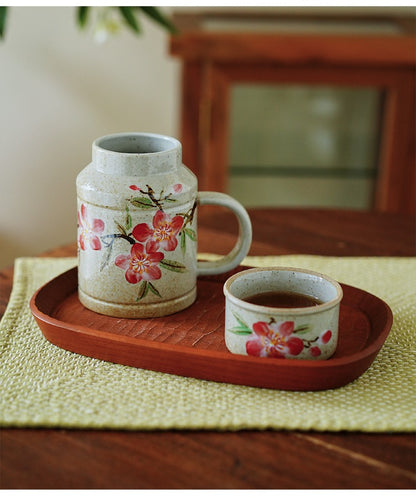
242, 246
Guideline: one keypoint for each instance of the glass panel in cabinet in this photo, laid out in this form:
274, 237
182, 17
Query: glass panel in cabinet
304, 145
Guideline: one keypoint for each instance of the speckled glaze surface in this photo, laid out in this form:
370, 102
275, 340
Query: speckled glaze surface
137, 228
306, 333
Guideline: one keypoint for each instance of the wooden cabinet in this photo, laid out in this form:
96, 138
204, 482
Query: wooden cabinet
215, 61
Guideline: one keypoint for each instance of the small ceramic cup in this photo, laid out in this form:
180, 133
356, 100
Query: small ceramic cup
306, 333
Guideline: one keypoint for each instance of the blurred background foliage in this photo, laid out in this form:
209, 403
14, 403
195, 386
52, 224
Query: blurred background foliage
108, 21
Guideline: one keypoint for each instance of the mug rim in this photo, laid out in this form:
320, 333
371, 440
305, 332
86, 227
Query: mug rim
98, 143
275, 309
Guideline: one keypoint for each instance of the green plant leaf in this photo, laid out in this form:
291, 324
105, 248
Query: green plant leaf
82, 16
130, 18
190, 233
240, 331
3, 17
143, 290
153, 289
157, 16
142, 202
172, 265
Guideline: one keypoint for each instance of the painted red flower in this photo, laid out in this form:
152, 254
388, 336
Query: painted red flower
315, 351
162, 235
274, 340
89, 230
324, 338
177, 188
140, 264
134, 187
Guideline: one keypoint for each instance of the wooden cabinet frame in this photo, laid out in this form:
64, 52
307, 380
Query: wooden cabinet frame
213, 62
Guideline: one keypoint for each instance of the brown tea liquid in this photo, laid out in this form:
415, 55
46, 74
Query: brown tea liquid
283, 299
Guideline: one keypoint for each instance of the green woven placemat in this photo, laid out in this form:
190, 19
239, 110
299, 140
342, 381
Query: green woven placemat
43, 385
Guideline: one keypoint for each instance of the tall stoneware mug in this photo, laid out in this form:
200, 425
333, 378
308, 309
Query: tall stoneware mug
137, 228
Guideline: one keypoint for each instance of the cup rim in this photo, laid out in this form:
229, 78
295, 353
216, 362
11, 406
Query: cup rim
288, 311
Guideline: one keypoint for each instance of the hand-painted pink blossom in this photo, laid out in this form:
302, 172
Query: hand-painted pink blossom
89, 230
325, 337
162, 235
315, 351
177, 188
140, 264
274, 340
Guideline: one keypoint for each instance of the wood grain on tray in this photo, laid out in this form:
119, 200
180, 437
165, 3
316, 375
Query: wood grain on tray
191, 342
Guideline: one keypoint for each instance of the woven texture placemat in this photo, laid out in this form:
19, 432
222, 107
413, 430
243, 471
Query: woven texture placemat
45, 386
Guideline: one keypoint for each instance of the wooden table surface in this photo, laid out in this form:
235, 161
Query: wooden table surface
83, 459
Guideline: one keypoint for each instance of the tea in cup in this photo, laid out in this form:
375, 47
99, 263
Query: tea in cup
282, 312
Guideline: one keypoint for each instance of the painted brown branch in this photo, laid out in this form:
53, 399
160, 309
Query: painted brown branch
156, 201
114, 236
189, 215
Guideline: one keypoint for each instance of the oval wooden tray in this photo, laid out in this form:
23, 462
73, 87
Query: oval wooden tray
191, 343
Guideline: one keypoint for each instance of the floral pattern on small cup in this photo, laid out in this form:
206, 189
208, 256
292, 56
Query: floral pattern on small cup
280, 339
274, 339
324, 338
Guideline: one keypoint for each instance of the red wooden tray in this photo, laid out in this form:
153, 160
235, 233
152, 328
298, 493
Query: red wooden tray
191, 343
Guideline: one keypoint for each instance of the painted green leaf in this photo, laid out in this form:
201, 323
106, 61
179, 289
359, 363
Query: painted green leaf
241, 322
106, 257
242, 328
128, 219
172, 265
240, 331
302, 329
183, 242
121, 228
153, 289
190, 233
143, 290
142, 202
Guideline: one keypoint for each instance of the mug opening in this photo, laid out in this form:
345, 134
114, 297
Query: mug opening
137, 143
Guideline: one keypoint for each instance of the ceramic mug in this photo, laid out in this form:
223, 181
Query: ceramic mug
137, 228
309, 332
